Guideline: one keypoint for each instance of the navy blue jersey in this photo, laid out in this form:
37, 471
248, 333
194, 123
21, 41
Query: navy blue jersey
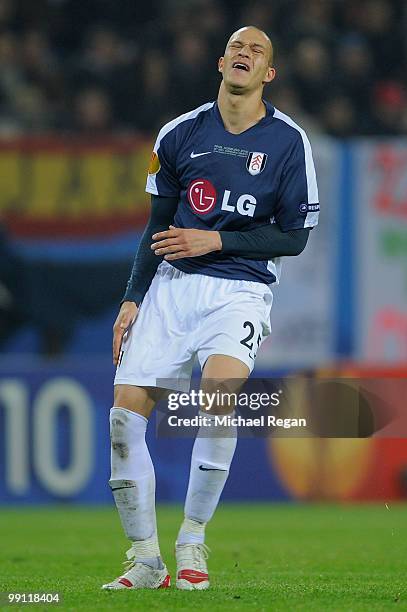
235, 182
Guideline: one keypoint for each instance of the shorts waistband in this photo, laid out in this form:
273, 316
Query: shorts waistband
165, 269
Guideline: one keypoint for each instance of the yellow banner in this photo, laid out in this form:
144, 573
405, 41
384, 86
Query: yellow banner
53, 179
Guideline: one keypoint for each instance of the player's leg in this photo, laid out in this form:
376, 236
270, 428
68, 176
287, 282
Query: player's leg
155, 352
132, 482
212, 454
235, 323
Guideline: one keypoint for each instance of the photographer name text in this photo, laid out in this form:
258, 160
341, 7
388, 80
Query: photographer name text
235, 421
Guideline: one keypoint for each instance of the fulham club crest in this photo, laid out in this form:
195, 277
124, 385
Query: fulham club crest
256, 162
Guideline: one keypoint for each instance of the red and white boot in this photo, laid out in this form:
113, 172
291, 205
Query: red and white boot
192, 572
140, 576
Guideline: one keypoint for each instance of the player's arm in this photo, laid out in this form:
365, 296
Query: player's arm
261, 243
144, 268
145, 264
264, 242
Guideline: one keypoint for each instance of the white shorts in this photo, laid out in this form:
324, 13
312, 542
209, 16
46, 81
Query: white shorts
187, 315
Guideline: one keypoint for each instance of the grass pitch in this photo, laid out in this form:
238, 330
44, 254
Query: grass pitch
264, 557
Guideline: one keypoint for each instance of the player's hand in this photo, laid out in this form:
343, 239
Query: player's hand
125, 319
177, 242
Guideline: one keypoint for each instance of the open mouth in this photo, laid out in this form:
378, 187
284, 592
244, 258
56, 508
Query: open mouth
241, 66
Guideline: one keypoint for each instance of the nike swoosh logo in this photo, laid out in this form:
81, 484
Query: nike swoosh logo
204, 469
199, 154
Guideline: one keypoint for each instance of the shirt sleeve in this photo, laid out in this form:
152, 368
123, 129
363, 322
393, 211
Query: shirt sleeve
264, 242
146, 261
162, 177
297, 198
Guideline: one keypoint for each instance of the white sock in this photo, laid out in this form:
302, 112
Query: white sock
132, 482
191, 532
212, 455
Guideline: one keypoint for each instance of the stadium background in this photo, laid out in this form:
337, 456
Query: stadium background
84, 85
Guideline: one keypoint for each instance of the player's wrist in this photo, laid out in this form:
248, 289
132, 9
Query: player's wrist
217, 241
130, 300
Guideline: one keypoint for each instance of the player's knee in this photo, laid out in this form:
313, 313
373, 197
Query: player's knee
128, 397
220, 396
134, 398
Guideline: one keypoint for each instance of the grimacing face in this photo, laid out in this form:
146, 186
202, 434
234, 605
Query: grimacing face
245, 65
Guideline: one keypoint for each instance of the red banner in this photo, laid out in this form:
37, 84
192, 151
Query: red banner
69, 186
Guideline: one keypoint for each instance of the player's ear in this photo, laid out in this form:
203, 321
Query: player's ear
220, 64
270, 75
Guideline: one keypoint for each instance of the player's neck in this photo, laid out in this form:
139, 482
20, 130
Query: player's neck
240, 112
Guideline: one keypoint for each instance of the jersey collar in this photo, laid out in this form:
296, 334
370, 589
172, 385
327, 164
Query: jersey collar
269, 115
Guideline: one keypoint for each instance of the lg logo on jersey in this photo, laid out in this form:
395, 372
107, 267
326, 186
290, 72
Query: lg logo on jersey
202, 197
245, 205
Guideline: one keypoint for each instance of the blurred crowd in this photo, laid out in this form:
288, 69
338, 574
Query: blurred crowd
92, 66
